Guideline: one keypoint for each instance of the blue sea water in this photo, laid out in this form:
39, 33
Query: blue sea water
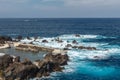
102, 33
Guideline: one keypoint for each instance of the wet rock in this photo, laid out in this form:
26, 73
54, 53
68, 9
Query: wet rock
35, 38
20, 71
74, 42
19, 37
88, 48
16, 59
5, 61
2, 42
46, 67
33, 48
13, 69
6, 38
3, 39
26, 62
44, 41
74, 46
66, 48
77, 35
28, 38
68, 45
58, 58
59, 41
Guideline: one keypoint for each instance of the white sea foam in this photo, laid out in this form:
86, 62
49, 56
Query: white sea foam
72, 36
2, 54
78, 58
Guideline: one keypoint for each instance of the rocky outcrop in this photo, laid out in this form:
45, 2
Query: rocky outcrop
74, 42
77, 35
57, 58
32, 48
51, 63
21, 71
14, 69
3, 39
44, 41
87, 48
68, 45
18, 38
6, 60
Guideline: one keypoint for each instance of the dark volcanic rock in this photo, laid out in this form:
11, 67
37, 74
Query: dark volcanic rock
82, 47
74, 42
58, 58
77, 35
68, 45
5, 61
28, 38
88, 48
13, 69
44, 41
2, 42
46, 67
20, 71
3, 39
17, 59
19, 37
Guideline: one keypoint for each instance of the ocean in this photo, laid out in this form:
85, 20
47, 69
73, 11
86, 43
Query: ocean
102, 33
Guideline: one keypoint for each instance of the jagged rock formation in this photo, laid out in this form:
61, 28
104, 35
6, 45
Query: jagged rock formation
11, 68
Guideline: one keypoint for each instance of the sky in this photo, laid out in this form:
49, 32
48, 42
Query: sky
59, 8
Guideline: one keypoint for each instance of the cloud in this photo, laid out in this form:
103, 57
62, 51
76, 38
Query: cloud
59, 8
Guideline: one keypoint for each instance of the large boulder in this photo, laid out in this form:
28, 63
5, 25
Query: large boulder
57, 58
5, 61
22, 71
46, 67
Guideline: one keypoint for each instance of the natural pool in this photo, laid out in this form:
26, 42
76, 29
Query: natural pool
23, 54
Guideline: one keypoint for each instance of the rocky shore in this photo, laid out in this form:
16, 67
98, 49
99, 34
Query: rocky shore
12, 68
33, 48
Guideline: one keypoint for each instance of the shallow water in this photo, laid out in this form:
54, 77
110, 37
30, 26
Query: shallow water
23, 54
